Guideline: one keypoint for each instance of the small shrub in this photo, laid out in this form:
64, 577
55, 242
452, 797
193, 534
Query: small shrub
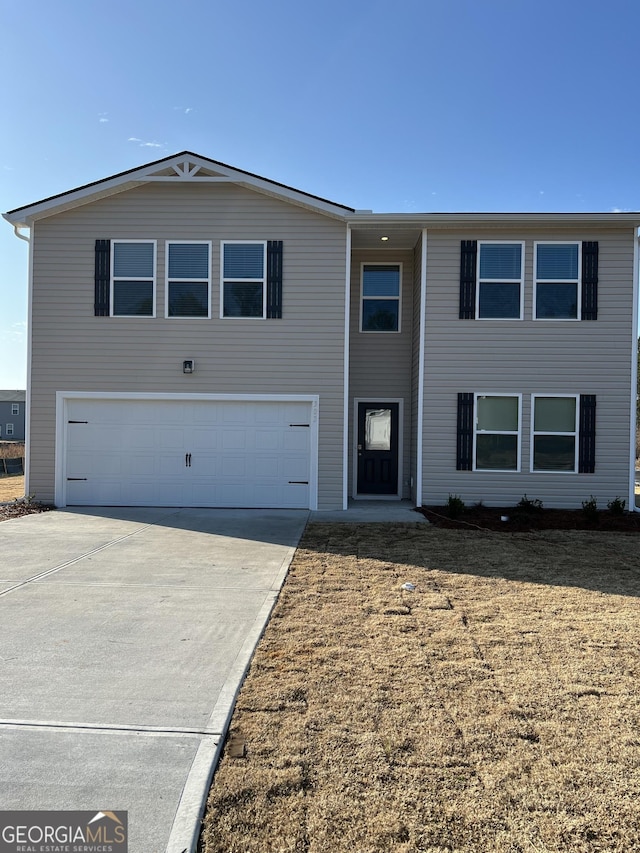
590, 510
617, 506
455, 506
529, 504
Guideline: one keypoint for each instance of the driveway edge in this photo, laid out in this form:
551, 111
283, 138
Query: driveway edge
185, 831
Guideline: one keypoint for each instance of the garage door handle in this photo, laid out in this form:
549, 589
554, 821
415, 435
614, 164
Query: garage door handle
187, 460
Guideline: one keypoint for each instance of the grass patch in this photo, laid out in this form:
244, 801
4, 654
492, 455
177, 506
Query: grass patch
495, 708
11, 487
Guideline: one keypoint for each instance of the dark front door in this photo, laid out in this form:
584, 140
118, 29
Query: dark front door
377, 448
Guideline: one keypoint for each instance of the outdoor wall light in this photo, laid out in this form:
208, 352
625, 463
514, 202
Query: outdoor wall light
188, 365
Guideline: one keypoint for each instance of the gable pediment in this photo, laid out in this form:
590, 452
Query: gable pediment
185, 167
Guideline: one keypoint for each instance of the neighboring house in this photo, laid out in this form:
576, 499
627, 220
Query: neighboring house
12, 419
202, 336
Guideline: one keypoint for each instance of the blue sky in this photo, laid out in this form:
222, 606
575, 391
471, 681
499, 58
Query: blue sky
417, 105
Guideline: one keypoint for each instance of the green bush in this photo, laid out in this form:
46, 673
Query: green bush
455, 506
529, 504
590, 510
617, 506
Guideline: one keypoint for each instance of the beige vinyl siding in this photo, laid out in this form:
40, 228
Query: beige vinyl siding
380, 362
302, 353
529, 357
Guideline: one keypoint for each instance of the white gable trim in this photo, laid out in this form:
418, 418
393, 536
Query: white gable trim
183, 167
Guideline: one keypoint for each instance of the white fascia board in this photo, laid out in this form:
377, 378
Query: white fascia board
457, 220
151, 173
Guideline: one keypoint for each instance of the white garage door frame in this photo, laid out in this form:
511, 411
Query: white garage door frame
64, 397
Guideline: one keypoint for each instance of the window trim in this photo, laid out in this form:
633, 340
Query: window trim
15, 408
9, 429
480, 280
577, 281
575, 434
373, 263
208, 280
262, 243
476, 432
113, 278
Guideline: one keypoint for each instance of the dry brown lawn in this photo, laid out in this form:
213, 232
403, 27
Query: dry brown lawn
11, 487
494, 708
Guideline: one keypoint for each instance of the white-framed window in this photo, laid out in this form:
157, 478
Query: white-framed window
557, 284
133, 278
500, 278
554, 432
9, 429
243, 281
188, 278
496, 435
380, 289
15, 408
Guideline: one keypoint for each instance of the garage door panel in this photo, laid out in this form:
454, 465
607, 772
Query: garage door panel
143, 465
296, 440
88, 436
198, 453
203, 438
101, 464
136, 437
233, 439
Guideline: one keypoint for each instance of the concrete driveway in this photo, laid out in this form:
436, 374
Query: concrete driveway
124, 636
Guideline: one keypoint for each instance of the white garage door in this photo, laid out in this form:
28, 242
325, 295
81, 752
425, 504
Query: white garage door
215, 453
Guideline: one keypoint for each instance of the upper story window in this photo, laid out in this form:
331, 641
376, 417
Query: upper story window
188, 289
497, 432
244, 290
380, 298
500, 278
133, 264
15, 408
555, 428
557, 291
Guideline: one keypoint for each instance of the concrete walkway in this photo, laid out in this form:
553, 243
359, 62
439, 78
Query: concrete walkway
124, 636
372, 512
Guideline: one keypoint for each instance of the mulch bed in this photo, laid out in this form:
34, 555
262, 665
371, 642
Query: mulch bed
15, 509
523, 521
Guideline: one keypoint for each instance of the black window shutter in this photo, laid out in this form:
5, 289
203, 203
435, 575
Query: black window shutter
464, 460
274, 279
468, 258
102, 278
587, 441
589, 281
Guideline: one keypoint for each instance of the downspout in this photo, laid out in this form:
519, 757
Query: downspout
634, 376
27, 407
345, 379
421, 369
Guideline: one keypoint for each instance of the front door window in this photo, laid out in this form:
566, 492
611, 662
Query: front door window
377, 432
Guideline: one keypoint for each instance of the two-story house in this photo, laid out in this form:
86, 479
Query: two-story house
12, 415
203, 336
